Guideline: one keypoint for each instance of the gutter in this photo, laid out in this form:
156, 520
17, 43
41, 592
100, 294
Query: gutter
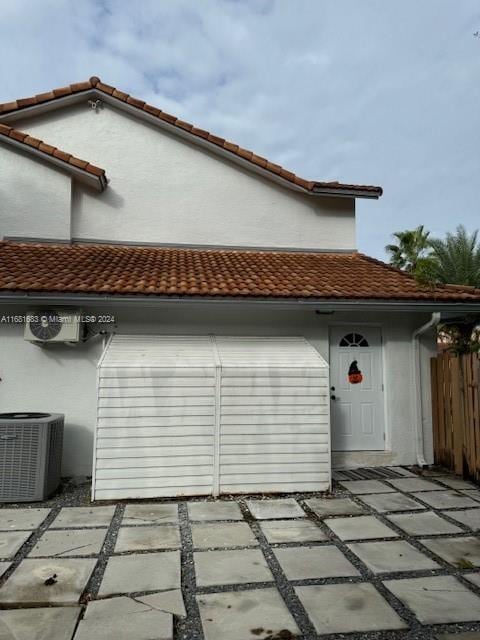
417, 378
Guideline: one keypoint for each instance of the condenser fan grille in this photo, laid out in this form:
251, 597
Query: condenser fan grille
46, 325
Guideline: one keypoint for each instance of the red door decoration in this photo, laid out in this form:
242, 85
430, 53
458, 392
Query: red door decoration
354, 374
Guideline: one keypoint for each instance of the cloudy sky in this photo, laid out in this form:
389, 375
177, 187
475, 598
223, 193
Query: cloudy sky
383, 92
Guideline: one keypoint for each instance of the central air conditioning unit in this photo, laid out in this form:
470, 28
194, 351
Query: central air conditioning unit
52, 325
30, 455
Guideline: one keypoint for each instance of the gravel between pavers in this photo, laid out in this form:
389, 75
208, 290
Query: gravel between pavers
190, 628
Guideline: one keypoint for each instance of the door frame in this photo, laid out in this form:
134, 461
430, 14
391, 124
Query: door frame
383, 404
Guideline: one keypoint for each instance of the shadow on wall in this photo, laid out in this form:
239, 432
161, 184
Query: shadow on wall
77, 449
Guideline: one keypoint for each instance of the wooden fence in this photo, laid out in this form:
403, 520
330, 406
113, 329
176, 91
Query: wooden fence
456, 413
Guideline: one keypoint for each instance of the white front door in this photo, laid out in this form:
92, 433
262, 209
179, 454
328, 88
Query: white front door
356, 388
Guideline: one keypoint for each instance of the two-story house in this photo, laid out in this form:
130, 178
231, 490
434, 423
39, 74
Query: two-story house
152, 227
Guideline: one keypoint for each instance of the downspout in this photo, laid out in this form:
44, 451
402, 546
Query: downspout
417, 377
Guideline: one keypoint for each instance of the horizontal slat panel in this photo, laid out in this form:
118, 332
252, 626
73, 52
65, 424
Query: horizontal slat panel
272, 391
159, 472
267, 468
272, 429
280, 438
154, 492
291, 401
154, 412
156, 373
155, 422
273, 381
270, 372
275, 410
145, 451
156, 392
266, 449
143, 432
162, 481
280, 418
166, 382
286, 477
187, 401
160, 460
272, 487
187, 441
274, 458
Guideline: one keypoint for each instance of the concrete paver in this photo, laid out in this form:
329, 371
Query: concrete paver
22, 519
414, 484
384, 502
387, 557
360, 528
469, 517
11, 541
281, 531
461, 552
74, 517
221, 510
423, 524
437, 599
468, 635
222, 534
456, 483
325, 507
345, 608
147, 538
27, 583
74, 542
275, 508
245, 615
403, 472
471, 493
141, 572
474, 578
445, 499
167, 601
303, 563
231, 567
141, 625
150, 513
366, 486
3, 567
54, 623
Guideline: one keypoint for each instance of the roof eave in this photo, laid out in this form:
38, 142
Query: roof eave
97, 182
55, 103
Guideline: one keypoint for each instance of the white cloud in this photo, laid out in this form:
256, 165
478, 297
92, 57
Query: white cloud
369, 92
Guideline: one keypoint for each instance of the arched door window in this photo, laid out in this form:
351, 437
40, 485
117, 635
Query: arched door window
353, 340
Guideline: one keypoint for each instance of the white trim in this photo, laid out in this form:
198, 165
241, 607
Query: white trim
216, 435
186, 135
94, 462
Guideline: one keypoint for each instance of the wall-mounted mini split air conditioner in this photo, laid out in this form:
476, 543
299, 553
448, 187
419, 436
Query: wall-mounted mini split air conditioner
52, 325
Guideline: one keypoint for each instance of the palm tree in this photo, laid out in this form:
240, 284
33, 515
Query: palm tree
413, 245
457, 258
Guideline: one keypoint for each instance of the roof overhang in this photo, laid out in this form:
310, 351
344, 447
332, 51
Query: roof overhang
322, 305
98, 182
318, 189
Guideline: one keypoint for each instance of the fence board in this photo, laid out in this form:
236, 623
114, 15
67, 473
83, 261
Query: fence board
456, 413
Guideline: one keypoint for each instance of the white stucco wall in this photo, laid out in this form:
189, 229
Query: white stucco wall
163, 189
63, 379
34, 197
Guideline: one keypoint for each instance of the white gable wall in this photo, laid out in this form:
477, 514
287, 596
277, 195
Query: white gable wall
163, 189
34, 197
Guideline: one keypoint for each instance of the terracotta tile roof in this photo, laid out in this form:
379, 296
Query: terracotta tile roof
34, 143
158, 271
95, 83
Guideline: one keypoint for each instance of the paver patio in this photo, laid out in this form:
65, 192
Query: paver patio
147, 538
343, 608
242, 561
245, 615
11, 541
387, 557
436, 600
